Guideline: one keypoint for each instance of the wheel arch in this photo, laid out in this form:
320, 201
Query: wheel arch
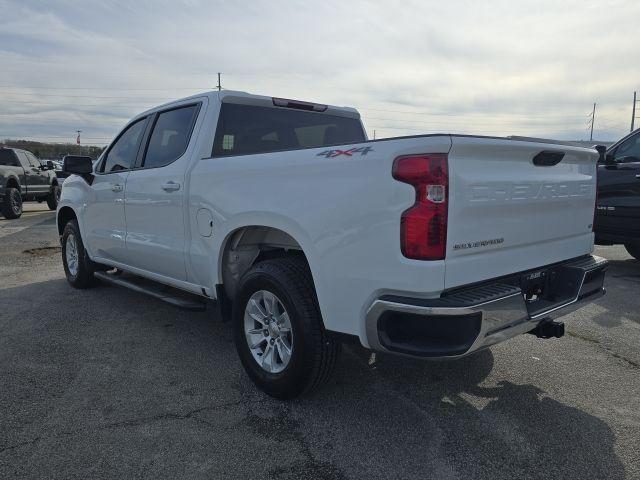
12, 182
244, 246
65, 214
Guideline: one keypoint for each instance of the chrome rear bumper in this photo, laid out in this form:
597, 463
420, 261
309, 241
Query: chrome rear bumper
469, 319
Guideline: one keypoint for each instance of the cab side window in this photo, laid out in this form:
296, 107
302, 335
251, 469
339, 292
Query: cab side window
170, 136
24, 161
33, 161
629, 150
122, 154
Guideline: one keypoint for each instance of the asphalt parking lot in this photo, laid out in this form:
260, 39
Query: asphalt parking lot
107, 383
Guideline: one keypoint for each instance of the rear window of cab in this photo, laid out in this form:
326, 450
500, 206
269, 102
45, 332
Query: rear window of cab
8, 158
248, 129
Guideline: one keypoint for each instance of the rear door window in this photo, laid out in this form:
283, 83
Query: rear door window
22, 157
170, 136
247, 129
122, 154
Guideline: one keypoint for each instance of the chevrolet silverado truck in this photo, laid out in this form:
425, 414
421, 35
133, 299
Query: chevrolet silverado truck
618, 211
308, 234
24, 177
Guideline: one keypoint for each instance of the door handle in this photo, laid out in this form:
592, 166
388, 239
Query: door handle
638, 175
116, 187
170, 186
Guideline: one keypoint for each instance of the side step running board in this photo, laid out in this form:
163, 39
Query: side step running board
161, 292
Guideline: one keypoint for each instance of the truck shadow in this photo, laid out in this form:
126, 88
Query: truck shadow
119, 365
622, 283
497, 430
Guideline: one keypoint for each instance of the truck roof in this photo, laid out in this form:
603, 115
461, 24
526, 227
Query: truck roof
234, 96
4, 147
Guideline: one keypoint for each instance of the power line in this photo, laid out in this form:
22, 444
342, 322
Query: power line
156, 99
443, 114
484, 117
465, 121
52, 136
63, 95
33, 87
454, 130
208, 88
524, 121
611, 126
62, 104
494, 116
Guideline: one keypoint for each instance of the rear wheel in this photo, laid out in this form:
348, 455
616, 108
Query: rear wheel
12, 203
53, 197
278, 329
77, 266
634, 251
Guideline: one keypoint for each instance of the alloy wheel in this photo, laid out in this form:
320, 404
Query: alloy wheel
268, 332
16, 203
71, 252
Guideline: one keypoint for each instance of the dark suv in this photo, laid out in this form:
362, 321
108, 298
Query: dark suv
617, 218
24, 177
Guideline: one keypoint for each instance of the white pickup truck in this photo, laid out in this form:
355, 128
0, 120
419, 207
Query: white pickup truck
308, 234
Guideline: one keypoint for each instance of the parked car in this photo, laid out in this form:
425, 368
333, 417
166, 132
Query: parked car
617, 219
60, 173
308, 234
24, 177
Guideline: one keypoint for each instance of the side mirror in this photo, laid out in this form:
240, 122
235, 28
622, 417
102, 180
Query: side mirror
49, 164
80, 165
602, 150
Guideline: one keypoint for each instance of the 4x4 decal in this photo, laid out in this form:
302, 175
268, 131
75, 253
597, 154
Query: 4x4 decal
349, 153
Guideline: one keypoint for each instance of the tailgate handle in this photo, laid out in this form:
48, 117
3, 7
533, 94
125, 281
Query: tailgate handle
548, 158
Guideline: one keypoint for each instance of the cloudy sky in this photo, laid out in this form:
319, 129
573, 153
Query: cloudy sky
494, 67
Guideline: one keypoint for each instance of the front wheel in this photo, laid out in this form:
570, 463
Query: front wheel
78, 267
54, 197
278, 329
634, 251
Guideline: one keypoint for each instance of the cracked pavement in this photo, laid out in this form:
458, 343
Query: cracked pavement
108, 383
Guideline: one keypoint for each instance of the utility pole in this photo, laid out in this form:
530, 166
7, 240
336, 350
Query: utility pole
633, 110
78, 141
593, 119
374, 134
219, 84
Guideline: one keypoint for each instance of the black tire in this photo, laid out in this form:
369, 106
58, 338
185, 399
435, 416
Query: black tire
314, 355
81, 276
634, 251
53, 197
12, 203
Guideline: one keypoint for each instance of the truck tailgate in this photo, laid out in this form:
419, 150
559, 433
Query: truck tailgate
516, 205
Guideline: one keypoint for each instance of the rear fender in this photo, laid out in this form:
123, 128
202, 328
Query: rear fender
269, 220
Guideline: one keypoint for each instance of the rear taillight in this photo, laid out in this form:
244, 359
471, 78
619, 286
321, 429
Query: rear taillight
423, 227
